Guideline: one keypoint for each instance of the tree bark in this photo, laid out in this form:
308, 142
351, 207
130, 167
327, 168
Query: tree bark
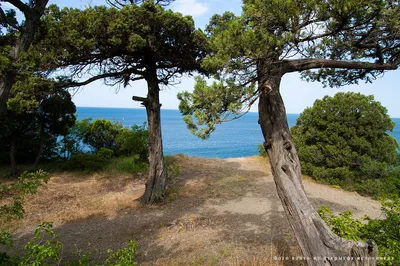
39, 154
156, 182
316, 241
13, 148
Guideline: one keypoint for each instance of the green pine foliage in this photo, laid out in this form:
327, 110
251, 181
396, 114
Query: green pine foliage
344, 140
121, 45
273, 38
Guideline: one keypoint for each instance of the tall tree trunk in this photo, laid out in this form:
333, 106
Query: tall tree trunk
316, 241
13, 149
156, 182
39, 155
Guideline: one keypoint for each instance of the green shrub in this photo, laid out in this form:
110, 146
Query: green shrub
384, 232
122, 257
261, 150
90, 162
48, 252
40, 252
127, 164
343, 225
12, 196
133, 141
103, 134
343, 140
105, 153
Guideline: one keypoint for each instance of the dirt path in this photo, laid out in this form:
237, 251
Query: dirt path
220, 212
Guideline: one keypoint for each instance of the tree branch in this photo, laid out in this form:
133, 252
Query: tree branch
141, 99
6, 21
306, 64
24, 8
97, 77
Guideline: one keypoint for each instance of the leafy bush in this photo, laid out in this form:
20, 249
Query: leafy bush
41, 252
384, 232
48, 252
344, 140
261, 150
124, 256
90, 162
133, 141
12, 196
12, 199
127, 164
44, 248
104, 134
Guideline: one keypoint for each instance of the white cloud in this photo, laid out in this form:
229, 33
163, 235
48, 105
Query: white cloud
190, 7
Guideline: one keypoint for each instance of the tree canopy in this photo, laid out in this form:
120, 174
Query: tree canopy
122, 45
334, 42
16, 38
345, 138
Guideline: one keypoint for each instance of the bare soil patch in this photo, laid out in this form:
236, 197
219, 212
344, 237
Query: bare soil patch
220, 212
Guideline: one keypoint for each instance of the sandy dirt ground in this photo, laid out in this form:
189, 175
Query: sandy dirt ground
219, 212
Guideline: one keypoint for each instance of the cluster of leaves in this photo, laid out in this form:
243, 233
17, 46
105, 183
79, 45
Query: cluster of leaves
12, 199
45, 249
213, 104
12, 196
344, 140
89, 145
385, 232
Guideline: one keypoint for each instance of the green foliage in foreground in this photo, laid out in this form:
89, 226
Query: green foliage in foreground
48, 252
344, 140
12, 196
384, 232
12, 199
44, 248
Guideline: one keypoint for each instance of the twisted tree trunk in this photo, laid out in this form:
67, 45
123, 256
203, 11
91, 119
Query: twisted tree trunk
316, 241
156, 182
13, 149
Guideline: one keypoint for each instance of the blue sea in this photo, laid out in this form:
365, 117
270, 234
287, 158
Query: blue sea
237, 138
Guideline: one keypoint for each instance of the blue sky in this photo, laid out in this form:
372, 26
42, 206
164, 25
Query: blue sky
297, 94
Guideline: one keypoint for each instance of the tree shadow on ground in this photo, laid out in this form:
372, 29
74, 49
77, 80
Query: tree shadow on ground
221, 213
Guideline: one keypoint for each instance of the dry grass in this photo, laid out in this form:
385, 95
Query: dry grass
67, 198
219, 212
